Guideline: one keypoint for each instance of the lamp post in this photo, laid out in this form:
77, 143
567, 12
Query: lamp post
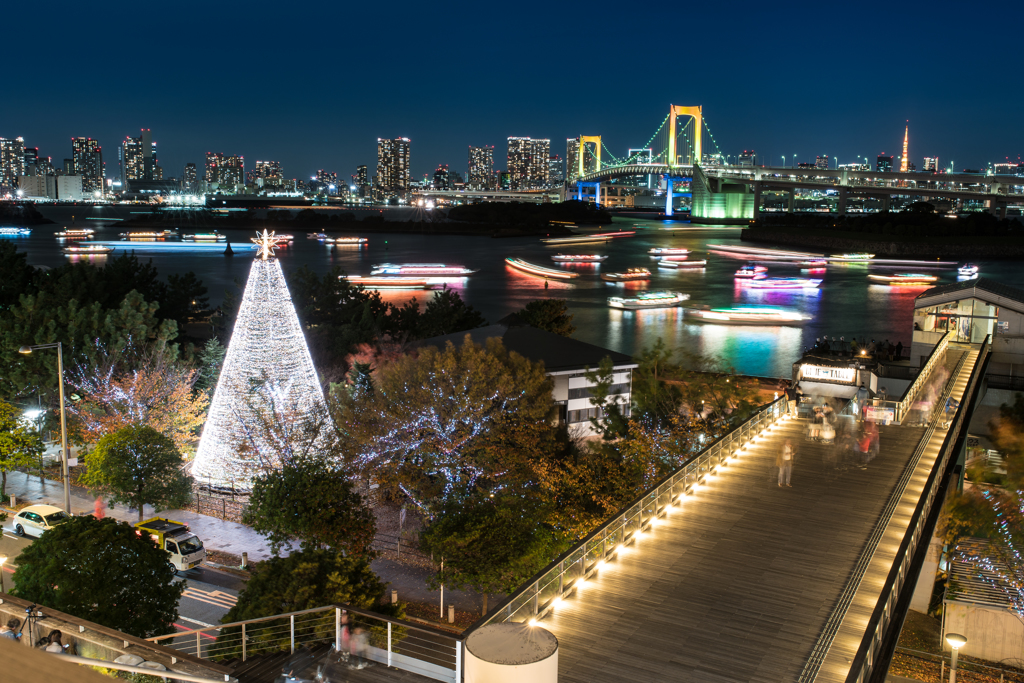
63, 421
3, 559
956, 641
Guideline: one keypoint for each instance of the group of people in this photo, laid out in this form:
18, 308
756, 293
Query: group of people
49, 643
883, 350
850, 443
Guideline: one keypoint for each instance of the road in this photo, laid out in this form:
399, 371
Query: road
209, 592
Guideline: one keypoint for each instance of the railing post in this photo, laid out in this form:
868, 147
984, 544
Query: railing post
292, 629
199, 646
561, 578
337, 629
458, 661
536, 589
389, 643
243, 642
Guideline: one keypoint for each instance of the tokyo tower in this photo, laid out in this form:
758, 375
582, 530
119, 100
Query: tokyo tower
904, 162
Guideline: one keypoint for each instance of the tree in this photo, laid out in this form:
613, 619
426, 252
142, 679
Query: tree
15, 275
493, 545
447, 313
450, 424
20, 444
103, 571
652, 394
211, 358
551, 315
605, 396
138, 465
313, 501
299, 581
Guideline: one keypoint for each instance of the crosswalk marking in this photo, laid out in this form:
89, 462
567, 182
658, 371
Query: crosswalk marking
218, 598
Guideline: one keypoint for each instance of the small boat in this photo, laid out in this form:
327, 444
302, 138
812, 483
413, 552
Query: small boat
147, 235
421, 269
583, 239
680, 265
387, 281
814, 263
578, 258
968, 270
649, 300
751, 271
284, 238
748, 315
6, 232
541, 271
315, 236
667, 251
854, 257
75, 233
205, 237
781, 283
86, 249
346, 240
629, 276
904, 280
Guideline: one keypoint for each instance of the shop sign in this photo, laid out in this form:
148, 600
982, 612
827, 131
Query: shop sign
880, 414
828, 374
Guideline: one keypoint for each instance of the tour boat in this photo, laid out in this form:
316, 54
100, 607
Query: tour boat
205, 237
648, 300
583, 239
541, 271
748, 315
578, 258
88, 249
388, 281
751, 271
346, 240
15, 231
815, 263
148, 235
904, 280
781, 283
315, 236
678, 265
284, 238
968, 270
666, 251
75, 233
853, 257
629, 276
435, 269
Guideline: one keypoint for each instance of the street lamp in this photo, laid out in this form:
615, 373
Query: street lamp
956, 641
63, 421
3, 588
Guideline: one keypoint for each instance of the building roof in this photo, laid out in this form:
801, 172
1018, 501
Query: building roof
974, 287
979, 575
558, 353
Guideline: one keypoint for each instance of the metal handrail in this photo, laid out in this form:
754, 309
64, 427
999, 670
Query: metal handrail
863, 664
562, 576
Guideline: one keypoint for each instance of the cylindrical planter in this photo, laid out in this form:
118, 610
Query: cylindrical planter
511, 653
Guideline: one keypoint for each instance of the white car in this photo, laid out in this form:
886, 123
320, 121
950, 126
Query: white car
35, 519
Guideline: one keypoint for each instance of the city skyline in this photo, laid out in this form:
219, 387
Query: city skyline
836, 105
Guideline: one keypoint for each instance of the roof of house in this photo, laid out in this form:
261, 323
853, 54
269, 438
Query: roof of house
558, 353
981, 284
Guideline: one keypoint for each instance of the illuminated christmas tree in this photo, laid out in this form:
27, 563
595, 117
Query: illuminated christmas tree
268, 402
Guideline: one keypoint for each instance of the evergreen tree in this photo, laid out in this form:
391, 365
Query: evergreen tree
211, 358
446, 313
551, 315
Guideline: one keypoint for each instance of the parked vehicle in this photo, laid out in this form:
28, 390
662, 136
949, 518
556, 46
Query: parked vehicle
37, 519
185, 548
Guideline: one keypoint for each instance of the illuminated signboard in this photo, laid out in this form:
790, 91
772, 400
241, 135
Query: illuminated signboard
829, 374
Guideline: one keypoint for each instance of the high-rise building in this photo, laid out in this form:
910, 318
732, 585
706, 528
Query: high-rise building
12, 162
233, 170
87, 156
361, 181
883, 164
528, 163
481, 167
138, 159
31, 160
214, 166
266, 174
556, 171
821, 162
572, 159
748, 158
931, 164
190, 179
441, 179
641, 156
392, 168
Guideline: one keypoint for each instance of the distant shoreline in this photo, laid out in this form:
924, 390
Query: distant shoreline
947, 247
363, 227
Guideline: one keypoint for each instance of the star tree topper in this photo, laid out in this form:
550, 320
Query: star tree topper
266, 243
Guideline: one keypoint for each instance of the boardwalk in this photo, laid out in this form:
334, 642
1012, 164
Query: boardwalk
737, 585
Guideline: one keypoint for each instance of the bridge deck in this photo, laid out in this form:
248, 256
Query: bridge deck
737, 585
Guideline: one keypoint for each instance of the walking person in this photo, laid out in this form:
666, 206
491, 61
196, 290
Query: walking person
359, 643
899, 350
784, 461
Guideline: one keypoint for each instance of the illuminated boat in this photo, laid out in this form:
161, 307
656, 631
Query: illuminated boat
968, 270
86, 249
388, 281
814, 263
681, 265
583, 239
853, 257
205, 237
147, 235
15, 231
751, 271
75, 233
315, 236
667, 251
629, 276
540, 271
435, 269
782, 283
748, 315
284, 238
904, 280
346, 240
649, 300
578, 258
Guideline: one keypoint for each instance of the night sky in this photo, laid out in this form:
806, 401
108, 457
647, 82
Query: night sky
314, 84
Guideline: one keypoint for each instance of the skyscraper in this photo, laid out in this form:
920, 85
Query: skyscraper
441, 179
362, 181
138, 159
214, 163
883, 164
931, 164
233, 170
392, 168
528, 163
12, 162
267, 174
572, 159
821, 162
87, 156
190, 179
641, 156
556, 171
481, 167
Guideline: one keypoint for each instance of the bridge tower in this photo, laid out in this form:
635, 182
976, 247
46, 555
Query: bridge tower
580, 157
674, 112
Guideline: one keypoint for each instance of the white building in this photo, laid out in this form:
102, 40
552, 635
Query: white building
62, 187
